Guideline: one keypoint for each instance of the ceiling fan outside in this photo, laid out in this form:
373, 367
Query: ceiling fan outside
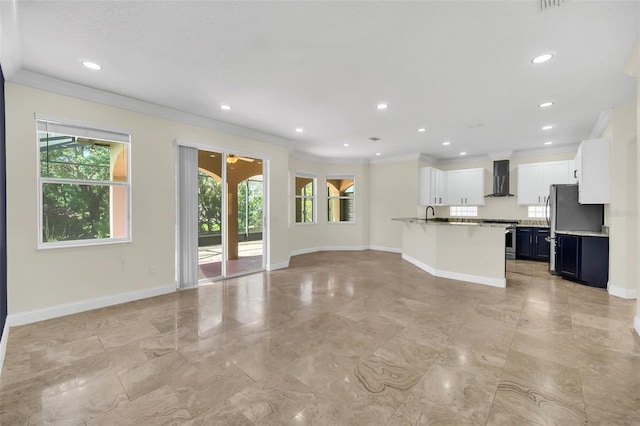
233, 159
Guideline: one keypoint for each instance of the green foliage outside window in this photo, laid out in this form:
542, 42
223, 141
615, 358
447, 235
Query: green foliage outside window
250, 194
74, 211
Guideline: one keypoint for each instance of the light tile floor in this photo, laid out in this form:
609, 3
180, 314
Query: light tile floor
339, 338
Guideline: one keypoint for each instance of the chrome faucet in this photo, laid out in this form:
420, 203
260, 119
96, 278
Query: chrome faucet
426, 214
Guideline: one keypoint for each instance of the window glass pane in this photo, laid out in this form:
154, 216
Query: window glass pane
341, 200
304, 199
75, 212
304, 186
463, 211
538, 212
304, 210
71, 157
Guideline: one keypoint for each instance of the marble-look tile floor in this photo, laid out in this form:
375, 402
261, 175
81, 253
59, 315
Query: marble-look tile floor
339, 338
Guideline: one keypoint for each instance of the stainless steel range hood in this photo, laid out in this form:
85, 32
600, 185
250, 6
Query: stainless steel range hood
500, 179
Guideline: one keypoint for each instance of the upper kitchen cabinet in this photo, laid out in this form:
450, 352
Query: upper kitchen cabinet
534, 180
432, 187
465, 187
593, 172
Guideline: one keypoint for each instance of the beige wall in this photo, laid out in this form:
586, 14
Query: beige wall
45, 278
623, 210
311, 237
394, 193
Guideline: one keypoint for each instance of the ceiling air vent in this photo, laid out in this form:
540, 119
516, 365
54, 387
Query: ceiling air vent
546, 4
374, 139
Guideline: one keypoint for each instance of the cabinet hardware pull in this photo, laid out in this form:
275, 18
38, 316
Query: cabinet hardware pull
575, 174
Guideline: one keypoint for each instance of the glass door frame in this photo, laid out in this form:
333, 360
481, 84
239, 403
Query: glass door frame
224, 152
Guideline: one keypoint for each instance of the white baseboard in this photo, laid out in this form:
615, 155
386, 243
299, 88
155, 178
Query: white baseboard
326, 248
36, 315
625, 293
388, 249
3, 343
478, 279
276, 266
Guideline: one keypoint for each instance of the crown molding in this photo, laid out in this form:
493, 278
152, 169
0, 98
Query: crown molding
558, 149
601, 124
303, 156
10, 57
632, 64
43, 82
396, 158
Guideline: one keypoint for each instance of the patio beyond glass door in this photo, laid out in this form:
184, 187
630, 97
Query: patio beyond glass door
230, 215
244, 215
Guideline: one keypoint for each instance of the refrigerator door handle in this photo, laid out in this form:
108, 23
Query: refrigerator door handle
547, 214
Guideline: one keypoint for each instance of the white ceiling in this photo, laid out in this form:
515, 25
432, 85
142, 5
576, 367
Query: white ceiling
462, 69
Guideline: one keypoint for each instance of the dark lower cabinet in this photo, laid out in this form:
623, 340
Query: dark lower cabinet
567, 255
583, 259
531, 243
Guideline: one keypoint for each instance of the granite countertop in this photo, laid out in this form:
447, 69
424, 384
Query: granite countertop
451, 221
531, 225
584, 233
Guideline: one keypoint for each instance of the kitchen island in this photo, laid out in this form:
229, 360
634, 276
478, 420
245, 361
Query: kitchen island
459, 250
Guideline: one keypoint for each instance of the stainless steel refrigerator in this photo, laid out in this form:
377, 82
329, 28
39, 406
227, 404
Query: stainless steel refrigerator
564, 213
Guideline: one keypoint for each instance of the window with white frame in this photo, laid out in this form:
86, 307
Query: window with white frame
305, 199
539, 212
463, 211
84, 184
341, 199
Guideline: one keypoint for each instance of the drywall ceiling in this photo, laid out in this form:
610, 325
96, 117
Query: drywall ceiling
462, 70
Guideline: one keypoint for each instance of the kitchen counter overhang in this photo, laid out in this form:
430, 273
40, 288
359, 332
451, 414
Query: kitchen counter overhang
464, 251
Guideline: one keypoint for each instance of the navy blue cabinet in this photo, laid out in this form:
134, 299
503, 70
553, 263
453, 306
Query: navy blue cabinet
567, 255
583, 259
531, 243
524, 241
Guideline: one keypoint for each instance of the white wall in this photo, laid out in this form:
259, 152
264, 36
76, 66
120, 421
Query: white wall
45, 278
312, 237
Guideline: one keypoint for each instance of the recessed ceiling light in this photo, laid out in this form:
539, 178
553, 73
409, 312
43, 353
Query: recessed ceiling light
545, 104
542, 58
422, 130
445, 143
299, 129
382, 106
225, 107
547, 127
463, 153
378, 154
548, 143
212, 155
91, 65
345, 144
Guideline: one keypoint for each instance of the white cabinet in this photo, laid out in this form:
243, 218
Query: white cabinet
534, 180
431, 187
465, 187
593, 172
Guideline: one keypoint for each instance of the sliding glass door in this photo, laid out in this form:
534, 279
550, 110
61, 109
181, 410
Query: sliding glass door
230, 206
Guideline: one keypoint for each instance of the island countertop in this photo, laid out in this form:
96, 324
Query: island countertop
584, 233
450, 222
